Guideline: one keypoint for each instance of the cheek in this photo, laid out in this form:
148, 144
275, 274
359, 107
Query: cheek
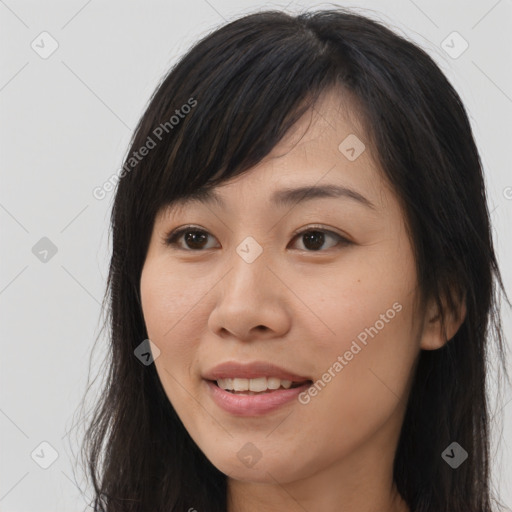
365, 352
365, 359
167, 301
168, 309
363, 376
364, 298
170, 315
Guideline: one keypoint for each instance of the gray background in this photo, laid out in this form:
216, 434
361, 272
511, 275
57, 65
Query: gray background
66, 124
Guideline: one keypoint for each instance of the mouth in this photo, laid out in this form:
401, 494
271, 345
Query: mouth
248, 403
258, 385
252, 389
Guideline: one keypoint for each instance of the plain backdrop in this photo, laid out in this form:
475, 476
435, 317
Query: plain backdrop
66, 120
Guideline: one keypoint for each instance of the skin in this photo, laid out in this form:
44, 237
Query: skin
206, 306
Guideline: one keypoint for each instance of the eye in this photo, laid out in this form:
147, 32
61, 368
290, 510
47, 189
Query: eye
314, 238
195, 239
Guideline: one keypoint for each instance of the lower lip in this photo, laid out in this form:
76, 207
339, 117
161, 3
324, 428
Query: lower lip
253, 405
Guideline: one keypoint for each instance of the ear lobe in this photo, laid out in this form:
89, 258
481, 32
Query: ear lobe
435, 335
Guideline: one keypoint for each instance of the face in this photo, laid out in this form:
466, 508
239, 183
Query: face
323, 287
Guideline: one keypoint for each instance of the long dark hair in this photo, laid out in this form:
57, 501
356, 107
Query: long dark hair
218, 112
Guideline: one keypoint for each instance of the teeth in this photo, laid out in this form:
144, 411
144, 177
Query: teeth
273, 383
258, 385
241, 384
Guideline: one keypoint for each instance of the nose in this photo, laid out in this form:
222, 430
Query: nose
251, 302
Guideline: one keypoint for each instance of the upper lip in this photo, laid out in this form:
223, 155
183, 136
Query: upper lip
233, 369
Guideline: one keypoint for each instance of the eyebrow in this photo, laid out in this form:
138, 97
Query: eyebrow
283, 197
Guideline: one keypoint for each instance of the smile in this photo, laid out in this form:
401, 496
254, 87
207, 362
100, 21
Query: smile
254, 403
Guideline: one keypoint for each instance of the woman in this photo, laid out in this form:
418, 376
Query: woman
301, 230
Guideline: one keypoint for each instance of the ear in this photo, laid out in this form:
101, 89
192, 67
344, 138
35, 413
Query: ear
435, 335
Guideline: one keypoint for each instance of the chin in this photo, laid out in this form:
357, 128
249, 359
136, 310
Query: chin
263, 471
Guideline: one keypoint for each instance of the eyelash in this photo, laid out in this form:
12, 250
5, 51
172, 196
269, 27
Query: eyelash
171, 238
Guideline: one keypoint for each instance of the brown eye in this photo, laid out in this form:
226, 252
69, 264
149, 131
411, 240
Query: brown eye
194, 239
314, 239
190, 238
